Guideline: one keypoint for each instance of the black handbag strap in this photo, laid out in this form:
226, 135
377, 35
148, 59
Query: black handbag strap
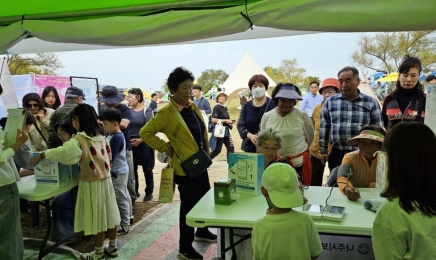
201, 135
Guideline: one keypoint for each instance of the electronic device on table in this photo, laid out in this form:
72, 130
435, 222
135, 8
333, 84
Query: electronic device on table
333, 213
315, 211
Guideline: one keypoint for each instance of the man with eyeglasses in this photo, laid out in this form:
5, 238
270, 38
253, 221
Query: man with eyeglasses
73, 97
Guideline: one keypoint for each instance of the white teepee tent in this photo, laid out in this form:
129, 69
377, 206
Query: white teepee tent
366, 89
240, 76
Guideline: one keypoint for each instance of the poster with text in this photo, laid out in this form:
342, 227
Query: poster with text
60, 83
8, 97
23, 85
89, 87
430, 108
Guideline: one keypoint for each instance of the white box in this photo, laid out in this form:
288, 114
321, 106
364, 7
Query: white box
247, 170
55, 174
381, 174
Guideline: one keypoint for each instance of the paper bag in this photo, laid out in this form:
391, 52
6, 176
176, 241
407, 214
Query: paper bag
166, 190
381, 174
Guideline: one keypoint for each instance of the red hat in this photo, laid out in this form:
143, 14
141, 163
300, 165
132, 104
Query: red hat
329, 82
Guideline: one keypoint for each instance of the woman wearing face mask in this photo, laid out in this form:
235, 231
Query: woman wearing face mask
252, 112
407, 101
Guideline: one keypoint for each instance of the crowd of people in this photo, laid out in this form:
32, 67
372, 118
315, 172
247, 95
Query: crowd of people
335, 125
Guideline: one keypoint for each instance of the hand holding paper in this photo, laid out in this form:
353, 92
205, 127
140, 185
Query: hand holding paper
20, 139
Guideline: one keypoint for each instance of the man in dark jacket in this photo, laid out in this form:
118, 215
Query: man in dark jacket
73, 97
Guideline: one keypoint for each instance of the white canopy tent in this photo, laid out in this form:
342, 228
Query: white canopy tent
240, 76
366, 89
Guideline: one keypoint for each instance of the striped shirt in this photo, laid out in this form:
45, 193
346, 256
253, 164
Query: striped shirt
343, 119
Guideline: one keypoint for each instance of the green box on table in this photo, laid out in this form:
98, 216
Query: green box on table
247, 170
224, 190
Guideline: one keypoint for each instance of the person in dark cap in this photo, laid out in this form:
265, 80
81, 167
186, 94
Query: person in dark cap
112, 99
431, 79
73, 97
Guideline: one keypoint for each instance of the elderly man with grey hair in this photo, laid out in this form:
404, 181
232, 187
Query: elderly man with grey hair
269, 142
73, 97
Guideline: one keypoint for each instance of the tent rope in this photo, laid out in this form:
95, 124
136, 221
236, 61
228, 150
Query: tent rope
246, 16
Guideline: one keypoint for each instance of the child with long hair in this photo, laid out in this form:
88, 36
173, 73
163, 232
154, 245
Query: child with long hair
96, 207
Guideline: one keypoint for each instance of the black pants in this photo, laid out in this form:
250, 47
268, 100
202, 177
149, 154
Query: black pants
191, 191
143, 152
227, 141
335, 158
317, 171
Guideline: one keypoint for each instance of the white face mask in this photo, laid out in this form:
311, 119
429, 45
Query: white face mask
258, 92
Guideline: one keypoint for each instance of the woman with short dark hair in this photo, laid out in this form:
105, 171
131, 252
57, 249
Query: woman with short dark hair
181, 121
405, 225
252, 112
38, 133
407, 102
141, 151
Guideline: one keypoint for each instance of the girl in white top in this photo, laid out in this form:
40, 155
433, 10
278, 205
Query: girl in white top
96, 207
11, 244
405, 225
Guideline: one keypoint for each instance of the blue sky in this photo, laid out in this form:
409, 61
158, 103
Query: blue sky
322, 55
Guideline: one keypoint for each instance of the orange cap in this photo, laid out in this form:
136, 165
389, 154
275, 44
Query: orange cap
329, 82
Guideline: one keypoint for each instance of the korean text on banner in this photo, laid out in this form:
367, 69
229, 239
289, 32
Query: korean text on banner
247, 170
60, 83
166, 190
381, 173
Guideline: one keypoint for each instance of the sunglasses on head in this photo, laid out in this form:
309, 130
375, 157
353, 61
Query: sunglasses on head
133, 91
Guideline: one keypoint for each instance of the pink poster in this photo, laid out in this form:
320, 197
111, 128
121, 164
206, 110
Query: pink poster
60, 83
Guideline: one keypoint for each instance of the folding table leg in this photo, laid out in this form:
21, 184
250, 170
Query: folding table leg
223, 243
42, 251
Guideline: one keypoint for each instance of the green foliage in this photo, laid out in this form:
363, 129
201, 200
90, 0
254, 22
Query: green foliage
385, 51
165, 88
211, 77
41, 63
290, 72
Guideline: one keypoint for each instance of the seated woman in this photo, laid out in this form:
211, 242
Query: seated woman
63, 206
362, 163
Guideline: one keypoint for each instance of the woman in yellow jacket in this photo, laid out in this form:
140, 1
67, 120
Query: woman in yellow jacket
182, 122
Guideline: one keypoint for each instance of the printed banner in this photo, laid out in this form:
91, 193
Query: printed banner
60, 83
89, 87
430, 108
9, 97
23, 85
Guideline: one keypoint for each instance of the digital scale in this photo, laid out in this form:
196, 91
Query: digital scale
317, 212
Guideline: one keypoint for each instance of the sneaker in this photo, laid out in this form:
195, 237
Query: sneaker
91, 256
189, 254
112, 252
206, 237
148, 197
122, 230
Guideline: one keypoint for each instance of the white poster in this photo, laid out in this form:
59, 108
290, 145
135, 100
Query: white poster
89, 87
430, 108
9, 97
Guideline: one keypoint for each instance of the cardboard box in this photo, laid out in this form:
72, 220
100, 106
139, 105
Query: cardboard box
224, 190
381, 174
247, 170
55, 174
